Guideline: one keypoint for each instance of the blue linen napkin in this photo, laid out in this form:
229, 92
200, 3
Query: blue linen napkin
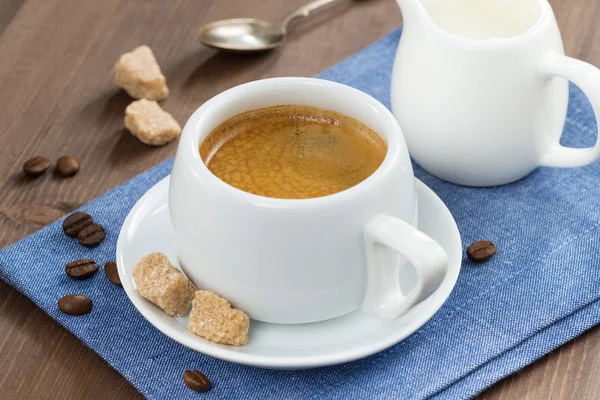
541, 290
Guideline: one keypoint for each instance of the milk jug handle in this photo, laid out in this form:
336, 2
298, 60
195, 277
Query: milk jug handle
587, 77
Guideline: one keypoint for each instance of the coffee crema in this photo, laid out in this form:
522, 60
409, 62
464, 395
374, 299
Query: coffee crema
292, 152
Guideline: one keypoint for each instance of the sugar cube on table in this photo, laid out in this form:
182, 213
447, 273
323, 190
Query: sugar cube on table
147, 121
138, 73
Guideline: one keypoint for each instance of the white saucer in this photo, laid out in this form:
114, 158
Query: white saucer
148, 229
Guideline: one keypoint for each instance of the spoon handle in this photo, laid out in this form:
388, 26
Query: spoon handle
303, 11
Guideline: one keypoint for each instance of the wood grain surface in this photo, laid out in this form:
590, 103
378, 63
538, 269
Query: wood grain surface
58, 97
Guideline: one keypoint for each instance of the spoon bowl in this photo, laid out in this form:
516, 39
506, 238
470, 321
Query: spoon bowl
242, 35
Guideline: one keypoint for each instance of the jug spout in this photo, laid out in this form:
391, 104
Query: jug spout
411, 10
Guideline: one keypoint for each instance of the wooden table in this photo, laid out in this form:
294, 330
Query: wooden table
58, 97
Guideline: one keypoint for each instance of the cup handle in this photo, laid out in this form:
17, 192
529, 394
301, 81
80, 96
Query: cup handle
384, 297
587, 77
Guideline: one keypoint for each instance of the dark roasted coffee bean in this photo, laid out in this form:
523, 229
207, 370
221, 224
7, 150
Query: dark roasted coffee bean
92, 235
75, 304
75, 222
197, 381
67, 166
35, 166
81, 269
110, 268
481, 251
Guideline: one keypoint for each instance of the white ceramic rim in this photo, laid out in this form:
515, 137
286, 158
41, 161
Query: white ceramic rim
544, 11
227, 353
393, 137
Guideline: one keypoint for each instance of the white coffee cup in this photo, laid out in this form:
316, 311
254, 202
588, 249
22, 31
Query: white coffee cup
299, 261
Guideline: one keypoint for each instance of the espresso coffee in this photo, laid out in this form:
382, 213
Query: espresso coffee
292, 152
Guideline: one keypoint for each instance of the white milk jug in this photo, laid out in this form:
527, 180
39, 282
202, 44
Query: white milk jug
479, 92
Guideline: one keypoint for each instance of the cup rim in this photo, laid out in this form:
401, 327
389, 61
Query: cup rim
394, 139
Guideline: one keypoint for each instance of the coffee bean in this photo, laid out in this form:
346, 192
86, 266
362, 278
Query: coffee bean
67, 166
81, 269
75, 304
75, 222
481, 251
35, 166
110, 269
92, 235
197, 381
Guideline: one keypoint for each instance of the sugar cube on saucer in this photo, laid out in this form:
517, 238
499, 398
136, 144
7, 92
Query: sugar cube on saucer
158, 281
213, 318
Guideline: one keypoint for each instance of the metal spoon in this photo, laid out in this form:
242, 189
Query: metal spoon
252, 35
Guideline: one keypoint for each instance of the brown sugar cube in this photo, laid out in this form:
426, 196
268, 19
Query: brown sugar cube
158, 281
139, 75
147, 121
213, 318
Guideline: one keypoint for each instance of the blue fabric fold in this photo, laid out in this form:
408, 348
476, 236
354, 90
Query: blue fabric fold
541, 290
